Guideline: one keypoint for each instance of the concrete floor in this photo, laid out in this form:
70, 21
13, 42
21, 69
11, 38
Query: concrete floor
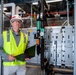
35, 70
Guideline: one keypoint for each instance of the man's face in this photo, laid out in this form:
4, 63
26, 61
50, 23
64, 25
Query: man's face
16, 24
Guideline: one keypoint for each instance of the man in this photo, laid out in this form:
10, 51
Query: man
14, 43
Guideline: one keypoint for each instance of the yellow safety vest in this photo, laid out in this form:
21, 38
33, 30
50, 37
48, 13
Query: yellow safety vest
11, 48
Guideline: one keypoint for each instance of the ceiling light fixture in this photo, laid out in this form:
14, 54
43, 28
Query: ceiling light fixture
4, 8
47, 1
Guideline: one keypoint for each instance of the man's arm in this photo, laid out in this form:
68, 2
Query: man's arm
2, 53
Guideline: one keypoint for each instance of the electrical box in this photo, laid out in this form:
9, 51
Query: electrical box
59, 45
67, 46
32, 41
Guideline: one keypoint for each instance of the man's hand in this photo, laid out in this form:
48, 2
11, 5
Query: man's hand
11, 58
27, 59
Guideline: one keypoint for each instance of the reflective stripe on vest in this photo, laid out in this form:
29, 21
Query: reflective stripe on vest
11, 48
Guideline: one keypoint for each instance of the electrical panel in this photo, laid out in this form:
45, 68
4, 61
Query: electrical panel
62, 45
59, 45
47, 35
67, 46
32, 41
31, 33
55, 45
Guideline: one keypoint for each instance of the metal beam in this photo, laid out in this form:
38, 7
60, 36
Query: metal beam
1, 16
1, 66
75, 37
42, 36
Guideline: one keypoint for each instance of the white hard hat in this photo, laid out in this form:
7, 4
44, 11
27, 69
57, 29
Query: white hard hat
15, 17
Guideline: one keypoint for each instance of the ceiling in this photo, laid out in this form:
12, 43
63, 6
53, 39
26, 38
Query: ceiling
53, 8
60, 7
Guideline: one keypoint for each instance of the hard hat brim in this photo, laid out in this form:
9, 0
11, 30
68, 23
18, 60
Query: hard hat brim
12, 20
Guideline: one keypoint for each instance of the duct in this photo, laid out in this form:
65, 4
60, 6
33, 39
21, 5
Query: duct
18, 10
10, 5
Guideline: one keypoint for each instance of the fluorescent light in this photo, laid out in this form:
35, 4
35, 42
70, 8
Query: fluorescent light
4, 8
49, 1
